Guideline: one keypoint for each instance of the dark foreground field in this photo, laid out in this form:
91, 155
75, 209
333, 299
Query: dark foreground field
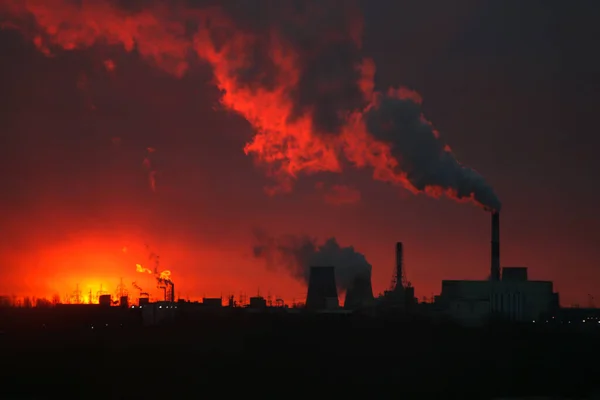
286, 356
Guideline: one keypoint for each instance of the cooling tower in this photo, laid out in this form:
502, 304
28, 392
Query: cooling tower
360, 294
322, 292
495, 266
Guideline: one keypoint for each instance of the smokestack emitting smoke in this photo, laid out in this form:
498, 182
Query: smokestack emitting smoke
298, 253
495, 266
293, 70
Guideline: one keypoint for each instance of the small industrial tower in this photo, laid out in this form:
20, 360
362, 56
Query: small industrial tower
168, 288
144, 297
495, 272
401, 293
399, 281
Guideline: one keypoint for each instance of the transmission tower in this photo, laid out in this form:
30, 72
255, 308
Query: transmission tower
121, 290
77, 295
100, 293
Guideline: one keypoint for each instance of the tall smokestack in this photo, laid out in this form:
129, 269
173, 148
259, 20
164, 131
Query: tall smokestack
399, 265
495, 267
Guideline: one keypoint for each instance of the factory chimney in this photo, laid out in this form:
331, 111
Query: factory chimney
322, 291
399, 266
495, 266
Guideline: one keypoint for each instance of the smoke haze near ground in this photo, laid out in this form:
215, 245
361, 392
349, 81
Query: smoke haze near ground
297, 254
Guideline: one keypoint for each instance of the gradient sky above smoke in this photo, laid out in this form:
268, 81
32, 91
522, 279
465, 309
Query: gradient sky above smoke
307, 92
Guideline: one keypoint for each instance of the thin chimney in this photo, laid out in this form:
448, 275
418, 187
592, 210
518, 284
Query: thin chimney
495, 266
399, 264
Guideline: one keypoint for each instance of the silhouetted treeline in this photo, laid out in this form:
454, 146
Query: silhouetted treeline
27, 301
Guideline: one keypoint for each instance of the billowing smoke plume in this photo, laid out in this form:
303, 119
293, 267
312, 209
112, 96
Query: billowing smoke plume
423, 159
292, 68
298, 253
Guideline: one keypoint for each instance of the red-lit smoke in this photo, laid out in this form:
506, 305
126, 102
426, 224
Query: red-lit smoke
294, 70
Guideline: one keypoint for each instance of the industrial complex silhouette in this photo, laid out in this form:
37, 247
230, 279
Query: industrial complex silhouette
507, 295
507, 323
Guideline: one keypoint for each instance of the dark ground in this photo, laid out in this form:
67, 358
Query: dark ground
46, 354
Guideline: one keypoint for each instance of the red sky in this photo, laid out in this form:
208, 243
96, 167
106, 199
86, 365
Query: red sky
75, 195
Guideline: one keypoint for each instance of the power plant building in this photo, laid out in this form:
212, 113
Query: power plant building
473, 302
508, 294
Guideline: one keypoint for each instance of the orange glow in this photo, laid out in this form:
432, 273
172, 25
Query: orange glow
94, 261
287, 146
86, 293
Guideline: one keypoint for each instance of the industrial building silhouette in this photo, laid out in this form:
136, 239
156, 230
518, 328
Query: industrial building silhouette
360, 294
508, 294
322, 290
